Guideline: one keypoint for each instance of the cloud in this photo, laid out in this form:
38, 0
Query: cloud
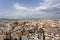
46, 9
17, 6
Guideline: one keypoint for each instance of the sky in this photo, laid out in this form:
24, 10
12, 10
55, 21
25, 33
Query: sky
17, 9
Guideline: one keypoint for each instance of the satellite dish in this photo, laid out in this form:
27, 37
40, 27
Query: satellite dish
1, 31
